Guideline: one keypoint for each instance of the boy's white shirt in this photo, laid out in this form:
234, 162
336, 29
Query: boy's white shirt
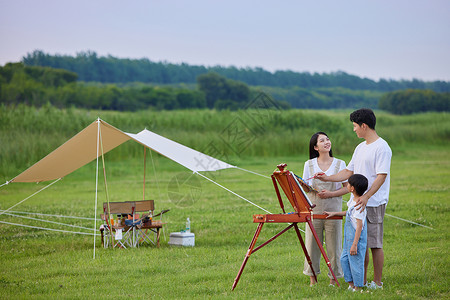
370, 160
355, 214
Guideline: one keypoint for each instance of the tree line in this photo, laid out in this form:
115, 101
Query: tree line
37, 86
414, 101
108, 69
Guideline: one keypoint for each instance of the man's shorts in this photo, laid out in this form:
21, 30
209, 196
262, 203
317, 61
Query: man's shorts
375, 217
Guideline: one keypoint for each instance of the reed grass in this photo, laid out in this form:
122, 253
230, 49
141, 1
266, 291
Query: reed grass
27, 134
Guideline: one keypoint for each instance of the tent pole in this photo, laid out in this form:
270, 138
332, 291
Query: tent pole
96, 182
145, 164
108, 222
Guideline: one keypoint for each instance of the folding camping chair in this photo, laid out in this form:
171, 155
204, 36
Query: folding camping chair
144, 207
144, 229
109, 231
303, 213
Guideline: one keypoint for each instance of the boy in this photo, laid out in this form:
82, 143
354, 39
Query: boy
355, 234
372, 158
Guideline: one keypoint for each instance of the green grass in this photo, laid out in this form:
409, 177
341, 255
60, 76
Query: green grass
42, 264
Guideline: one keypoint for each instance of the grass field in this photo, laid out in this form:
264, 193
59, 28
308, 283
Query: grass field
44, 264
41, 264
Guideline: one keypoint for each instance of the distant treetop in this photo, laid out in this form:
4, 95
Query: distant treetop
108, 69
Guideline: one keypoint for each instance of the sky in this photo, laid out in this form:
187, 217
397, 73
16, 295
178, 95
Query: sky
389, 39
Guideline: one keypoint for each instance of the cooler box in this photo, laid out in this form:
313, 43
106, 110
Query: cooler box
182, 239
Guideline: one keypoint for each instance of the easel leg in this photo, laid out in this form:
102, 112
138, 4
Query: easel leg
247, 255
308, 259
322, 250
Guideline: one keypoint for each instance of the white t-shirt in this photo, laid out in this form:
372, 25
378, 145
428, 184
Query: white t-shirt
307, 174
370, 160
355, 214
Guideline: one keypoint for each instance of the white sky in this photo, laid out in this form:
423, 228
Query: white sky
391, 39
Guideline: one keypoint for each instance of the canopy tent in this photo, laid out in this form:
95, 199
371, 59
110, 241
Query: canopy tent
99, 138
82, 149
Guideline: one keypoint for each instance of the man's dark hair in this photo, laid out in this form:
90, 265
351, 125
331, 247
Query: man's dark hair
359, 182
313, 142
364, 115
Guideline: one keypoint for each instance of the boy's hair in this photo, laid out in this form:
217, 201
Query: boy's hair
359, 182
364, 115
313, 142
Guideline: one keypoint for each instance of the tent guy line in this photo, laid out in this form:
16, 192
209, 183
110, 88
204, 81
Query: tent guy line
6, 210
47, 221
234, 193
47, 215
408, 221
49, 229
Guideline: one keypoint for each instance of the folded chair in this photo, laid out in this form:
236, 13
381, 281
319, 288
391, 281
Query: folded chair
291, 187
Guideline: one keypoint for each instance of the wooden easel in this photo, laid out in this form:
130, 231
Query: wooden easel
303, 213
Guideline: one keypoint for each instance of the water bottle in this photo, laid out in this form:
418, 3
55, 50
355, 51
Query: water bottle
188, 225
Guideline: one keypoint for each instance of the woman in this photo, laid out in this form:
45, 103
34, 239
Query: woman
329, 198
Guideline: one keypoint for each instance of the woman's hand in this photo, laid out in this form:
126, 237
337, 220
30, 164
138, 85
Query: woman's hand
324, 194
354, 249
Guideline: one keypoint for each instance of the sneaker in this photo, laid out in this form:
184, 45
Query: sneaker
374, 286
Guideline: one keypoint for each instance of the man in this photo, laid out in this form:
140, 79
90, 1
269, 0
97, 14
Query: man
371, 158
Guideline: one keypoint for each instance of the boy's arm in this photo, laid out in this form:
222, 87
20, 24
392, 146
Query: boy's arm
361, 202
341, 176
354, 247
334, 213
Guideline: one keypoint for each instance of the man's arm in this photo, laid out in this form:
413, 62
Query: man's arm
341, 176
361, 202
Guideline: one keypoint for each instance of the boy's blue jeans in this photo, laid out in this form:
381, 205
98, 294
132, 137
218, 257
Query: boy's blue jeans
353, 265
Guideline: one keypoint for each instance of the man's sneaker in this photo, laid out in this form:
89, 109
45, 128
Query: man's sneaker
374, 286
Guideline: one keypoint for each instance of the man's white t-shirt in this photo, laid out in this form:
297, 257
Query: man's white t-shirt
370, 160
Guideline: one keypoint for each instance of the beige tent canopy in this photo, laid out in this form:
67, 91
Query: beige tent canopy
100, 137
